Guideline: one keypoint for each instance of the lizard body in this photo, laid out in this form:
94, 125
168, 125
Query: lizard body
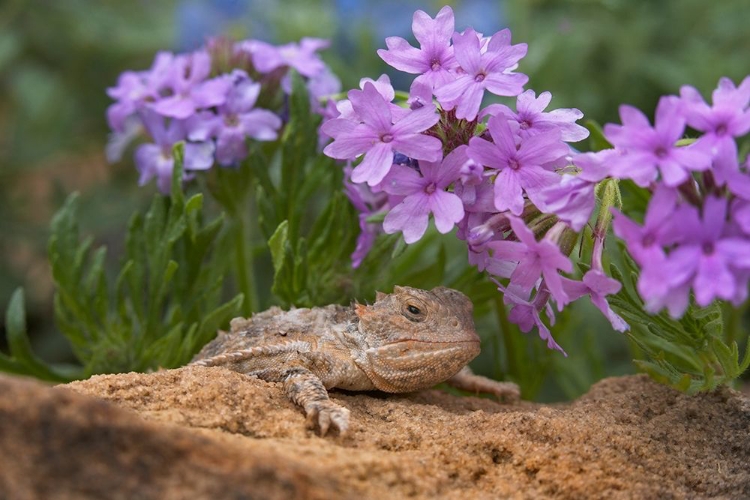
409, 340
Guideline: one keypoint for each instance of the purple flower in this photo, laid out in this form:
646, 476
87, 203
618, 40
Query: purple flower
477, 198
521, 169
322, 85
535, 259
525, 314
190, 89
350, 118
472, 175
741, 215
645, 242
649, 148
236, 120
420, 95
434, 60
155, 160
424, 194
377, 137
729, 117
705, 257
135, 88
653, 286
597, 285
302, 56
481, 70
119, 140
532, 119
573, 199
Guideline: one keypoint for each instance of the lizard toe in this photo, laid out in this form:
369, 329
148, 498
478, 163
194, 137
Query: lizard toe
506, 391
326, 415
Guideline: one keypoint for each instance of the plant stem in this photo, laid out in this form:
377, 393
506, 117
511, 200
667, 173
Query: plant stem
734, 323
244, 263
508, 338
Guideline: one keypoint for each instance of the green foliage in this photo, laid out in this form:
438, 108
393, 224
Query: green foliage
308, 223
163, 305
22, 360
691, 353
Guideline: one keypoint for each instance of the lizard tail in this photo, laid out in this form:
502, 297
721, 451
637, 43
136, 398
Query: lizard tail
236, 356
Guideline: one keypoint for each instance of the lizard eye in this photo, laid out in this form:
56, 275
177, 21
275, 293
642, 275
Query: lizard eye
413, 312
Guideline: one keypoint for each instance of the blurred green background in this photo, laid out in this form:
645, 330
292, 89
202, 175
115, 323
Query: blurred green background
57, 59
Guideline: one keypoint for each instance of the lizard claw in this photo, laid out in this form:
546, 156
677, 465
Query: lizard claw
505, 391
466, 379
325, 414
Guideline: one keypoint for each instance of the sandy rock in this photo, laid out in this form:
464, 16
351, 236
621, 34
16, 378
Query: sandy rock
212, 433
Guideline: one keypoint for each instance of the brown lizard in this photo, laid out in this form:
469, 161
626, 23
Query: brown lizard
408, 340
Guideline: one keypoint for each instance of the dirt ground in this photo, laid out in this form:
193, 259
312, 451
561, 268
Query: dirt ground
212, 433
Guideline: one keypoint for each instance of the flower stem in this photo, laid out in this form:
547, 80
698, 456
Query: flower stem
508, 339
244, 265
734, 323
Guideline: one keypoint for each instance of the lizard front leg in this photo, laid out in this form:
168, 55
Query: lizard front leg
468, 381
307, 390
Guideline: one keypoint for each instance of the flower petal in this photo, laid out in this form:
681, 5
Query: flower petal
375, 165
447, 209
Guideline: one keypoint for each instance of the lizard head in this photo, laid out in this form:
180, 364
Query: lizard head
416, 338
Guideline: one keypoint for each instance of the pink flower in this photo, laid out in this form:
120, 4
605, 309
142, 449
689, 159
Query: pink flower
434, 60
521, 169
191, 90
491, 69
378, 137
525, 314
425, 194
235, 121
301, 56
645, 242
135, 88
729, 117
650, 149
597, 285
532, 119
705, 256
535, 259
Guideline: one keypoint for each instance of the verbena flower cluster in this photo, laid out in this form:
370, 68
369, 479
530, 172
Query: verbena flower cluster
520, 195
214, 99
696, 230
493, 172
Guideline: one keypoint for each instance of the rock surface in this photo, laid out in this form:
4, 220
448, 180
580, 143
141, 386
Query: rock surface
211, 433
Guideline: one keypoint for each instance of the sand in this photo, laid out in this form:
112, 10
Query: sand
211, 433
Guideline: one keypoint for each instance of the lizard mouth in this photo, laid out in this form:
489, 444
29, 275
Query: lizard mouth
409, 352
468, 341
409, 365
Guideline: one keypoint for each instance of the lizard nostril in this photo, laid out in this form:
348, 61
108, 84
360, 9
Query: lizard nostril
454, 323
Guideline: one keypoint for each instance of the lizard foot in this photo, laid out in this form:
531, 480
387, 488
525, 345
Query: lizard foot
325, 414
504, 391
465, 379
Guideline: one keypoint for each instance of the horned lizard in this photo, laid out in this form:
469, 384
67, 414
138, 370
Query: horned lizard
408, 340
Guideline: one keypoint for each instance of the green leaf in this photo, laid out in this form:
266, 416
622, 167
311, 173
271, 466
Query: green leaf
278, 243
597, 141
689, 354
194, 204
178, 153
170, 282
22, 359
